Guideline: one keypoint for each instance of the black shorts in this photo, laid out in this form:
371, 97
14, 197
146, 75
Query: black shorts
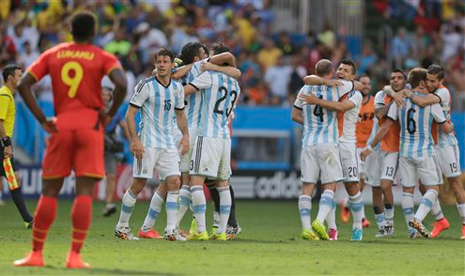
13, 163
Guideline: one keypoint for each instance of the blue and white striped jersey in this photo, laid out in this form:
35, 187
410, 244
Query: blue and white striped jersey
220, 94
445, 139
157, 104
374, 130
193, 101
416, 140
320, 125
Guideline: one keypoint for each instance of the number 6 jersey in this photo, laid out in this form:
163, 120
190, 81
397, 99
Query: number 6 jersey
220, 94
416, 140
76, 71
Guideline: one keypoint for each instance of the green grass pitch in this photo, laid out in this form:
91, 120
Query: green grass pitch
270, 244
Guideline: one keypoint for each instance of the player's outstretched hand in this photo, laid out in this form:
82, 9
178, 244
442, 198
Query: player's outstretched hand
184, 144
308, 99
364, 154
137, 149
50, 125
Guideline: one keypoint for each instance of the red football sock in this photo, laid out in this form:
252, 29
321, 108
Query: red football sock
43, 219
81, 215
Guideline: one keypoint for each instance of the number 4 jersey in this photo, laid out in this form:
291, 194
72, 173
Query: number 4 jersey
320, 125
220, 94
76, 71
416, 140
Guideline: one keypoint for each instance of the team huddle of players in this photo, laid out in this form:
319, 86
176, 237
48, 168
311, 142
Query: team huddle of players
402, 134
200, 96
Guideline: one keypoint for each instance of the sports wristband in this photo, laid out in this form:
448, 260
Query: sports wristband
6, 142
370, 148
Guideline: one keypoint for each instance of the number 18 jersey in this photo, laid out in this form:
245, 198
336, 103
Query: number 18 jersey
76, 71
220, 94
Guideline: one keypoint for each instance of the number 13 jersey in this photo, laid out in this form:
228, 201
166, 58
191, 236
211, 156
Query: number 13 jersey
76, 71
220, 94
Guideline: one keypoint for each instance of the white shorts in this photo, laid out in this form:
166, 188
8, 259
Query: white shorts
361, 164
449, 160
322, 158
349, 161
424, 169
211, 157
382, 166
186, 158
165, 161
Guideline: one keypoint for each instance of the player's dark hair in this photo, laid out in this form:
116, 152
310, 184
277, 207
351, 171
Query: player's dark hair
83, 26
323, 67
219, 48
400, 71
189, 52
10, 70
363, 76
351, 64
205, 48
437, 70
416, 75
164, 52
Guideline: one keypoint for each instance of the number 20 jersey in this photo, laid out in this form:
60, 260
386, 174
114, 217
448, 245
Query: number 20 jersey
76, 71
220, 94
320, 125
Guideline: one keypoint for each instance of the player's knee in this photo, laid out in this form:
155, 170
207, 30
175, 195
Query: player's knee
173, 183
456, 184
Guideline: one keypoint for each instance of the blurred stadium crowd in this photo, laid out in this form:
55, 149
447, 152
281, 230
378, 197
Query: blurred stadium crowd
272, 63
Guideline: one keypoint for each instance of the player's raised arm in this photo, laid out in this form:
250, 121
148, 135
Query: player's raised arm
228, 70
118, 77
317, 80
201, 82
181, 71
223, 58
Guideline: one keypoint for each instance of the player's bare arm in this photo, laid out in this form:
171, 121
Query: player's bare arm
182, 125
316, 80
228, 70
181, 71
398, 97
223, 58
382, 110
382, 132
447, 127
136, 147
331, 105
8, 151
24, 88
428, 99
297, 115
190, 89
118, 77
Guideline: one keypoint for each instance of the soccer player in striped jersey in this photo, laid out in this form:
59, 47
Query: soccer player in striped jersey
382, 176
364, 125
211, 155
417, 155
160, 101
320, 151
447, 148
348, 108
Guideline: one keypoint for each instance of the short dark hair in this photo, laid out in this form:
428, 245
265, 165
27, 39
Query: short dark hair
83, 26
9, 70
189, 52
205, 49
437, 70
351, 64
416, 75
400, 71
219, 48
323, 67
363, 76
164, 52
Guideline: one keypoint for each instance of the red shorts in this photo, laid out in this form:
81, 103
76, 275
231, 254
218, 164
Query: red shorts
81, 150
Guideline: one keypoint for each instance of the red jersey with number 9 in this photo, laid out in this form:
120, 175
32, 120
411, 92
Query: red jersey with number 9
76, 71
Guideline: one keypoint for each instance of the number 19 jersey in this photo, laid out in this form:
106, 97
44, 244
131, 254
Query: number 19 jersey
220, 94
320, 125
76, 71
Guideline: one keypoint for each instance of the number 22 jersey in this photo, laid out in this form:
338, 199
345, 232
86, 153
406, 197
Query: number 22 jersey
76, 71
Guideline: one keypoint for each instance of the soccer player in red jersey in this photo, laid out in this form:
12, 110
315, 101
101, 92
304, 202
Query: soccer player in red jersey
76, 140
